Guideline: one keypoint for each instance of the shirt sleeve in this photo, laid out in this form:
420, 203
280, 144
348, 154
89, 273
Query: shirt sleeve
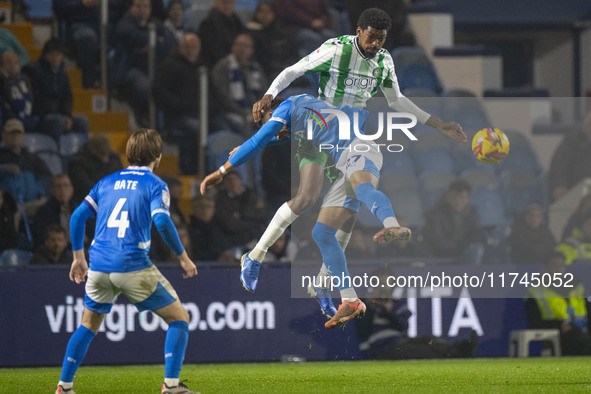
160, 202
396, 99
317, 61
92, 199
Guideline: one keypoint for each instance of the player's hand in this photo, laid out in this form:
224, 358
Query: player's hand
211, 180
188, 265
234, 151
284, 132
260, 106
453, 130
79, 269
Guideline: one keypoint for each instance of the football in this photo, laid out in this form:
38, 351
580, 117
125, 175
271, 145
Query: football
490, 145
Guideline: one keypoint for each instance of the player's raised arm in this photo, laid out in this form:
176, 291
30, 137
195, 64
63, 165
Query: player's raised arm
317, 61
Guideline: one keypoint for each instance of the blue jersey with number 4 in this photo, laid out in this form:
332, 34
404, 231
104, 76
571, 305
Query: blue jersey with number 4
124, 203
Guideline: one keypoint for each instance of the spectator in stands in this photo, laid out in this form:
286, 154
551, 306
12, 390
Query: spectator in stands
175, 187
218, 31
400, 34
574, 221
452, 228
57, 210
55, 248
239, 212
571, 161
9, 218
174, 21
176, 92
237, 83
8, 42
309, 21
562, 308
577, 247
16, 91
52, 92
383, 333
22, 174
90, 164
207, 239
274, 46
129, 71
159, 251
531, 240
282, 251
276, 175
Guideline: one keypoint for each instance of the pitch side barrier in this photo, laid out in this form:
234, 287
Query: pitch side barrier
41, 308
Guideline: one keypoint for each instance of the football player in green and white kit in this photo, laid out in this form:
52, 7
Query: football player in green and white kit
351, 69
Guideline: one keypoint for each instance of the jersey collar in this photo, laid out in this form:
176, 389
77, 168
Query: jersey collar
145, 168
356, 44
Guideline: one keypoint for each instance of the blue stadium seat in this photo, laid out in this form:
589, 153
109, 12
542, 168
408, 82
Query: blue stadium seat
418, 77
517, 138
419, 92
53, 161
195, 14
391, 182
407, 205
519, 158
520, 188
489, 204
433, 185
39, 8
70, 143
481, 179
464, 160
406, 56
434, 160
36, 142
15, 257
399, 162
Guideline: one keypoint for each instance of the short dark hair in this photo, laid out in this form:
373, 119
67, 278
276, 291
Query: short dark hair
55, 228
272, 107
375, 18
53, 45
459, 186
143, 147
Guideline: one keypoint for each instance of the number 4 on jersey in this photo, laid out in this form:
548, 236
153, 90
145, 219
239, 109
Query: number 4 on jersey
122, 224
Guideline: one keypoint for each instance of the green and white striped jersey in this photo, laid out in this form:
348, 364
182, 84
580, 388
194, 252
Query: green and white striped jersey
348, 77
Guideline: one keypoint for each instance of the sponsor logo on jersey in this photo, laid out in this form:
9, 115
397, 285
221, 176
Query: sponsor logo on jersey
165, 198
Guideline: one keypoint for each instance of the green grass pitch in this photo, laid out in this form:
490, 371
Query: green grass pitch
533, 375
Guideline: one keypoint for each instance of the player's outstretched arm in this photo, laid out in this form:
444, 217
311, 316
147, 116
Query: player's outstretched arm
187, 265
450, 129
215, 177
79, 267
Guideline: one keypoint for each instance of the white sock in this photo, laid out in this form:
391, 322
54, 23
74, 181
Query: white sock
349, 294
170, 382
66, 385
391, 222
282, 219
343, 238
323, 278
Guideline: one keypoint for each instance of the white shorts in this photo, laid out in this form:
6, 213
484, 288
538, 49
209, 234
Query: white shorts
363, 156
147, 289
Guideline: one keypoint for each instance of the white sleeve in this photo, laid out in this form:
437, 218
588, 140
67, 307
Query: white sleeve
396, 99
317, 61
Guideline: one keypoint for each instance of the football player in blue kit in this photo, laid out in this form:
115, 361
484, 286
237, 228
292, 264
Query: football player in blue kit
125, 205
356, 183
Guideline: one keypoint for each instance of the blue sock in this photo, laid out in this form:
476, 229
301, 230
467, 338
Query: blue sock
377, 202
175, 345
75, 352
332, 253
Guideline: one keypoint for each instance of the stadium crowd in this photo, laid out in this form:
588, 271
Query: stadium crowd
243, 51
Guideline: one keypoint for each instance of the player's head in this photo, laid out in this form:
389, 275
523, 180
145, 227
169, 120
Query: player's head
267, 115
372, 28
144, 147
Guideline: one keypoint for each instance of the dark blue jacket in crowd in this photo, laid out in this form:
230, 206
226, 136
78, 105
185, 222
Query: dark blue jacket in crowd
131, 42
52, 90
